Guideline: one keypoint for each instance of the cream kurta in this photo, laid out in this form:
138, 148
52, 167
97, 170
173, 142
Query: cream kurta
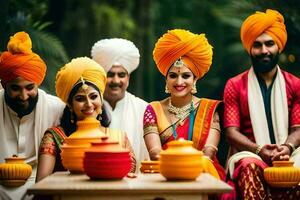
23, 136
128, 116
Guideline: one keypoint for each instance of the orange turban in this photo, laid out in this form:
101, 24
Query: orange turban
69, 75
270, 22
193, 49
20, 61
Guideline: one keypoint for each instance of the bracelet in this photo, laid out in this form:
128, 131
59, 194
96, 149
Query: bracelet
211, 146
290, 146
258, 149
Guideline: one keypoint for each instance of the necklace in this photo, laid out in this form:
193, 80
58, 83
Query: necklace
191, 124
180, 113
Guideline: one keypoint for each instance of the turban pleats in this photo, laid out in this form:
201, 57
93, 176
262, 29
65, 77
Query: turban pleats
72, 72
20, 61
109, 52
270, 22
193, 49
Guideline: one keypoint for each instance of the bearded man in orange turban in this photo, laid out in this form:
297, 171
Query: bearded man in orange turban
25, 111
184, 57
262, 109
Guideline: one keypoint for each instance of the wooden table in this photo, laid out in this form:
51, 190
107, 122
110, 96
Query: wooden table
65, 186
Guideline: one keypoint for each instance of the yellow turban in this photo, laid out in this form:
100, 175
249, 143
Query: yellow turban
193, 49
270, 22
20, 61
72, 72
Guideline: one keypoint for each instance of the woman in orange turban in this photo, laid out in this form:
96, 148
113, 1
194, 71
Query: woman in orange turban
183, 57
80, 84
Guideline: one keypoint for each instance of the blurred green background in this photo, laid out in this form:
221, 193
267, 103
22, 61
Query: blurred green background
65, 29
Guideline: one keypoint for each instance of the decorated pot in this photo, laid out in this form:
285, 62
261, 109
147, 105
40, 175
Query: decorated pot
180, 161
72, 151
282, 174
106, 159
14, 172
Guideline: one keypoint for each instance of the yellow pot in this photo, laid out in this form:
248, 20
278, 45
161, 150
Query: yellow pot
181, 161
14, 172
72, 151
282, 174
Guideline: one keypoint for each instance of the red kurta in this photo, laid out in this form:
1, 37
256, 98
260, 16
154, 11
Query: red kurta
236, 109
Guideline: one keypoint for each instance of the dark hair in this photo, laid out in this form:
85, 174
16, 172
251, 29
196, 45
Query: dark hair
68, 124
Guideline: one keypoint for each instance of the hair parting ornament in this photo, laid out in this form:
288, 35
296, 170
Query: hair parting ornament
84, 86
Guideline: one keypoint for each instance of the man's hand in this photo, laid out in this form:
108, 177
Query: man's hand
268, 151
283, 153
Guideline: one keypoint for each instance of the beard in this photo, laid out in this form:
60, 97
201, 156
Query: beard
264, 66
18, 105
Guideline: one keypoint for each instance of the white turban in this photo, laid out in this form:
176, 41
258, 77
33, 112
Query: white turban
116, 51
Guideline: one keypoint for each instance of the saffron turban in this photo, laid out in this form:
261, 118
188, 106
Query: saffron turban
116, 51
79, 68
20, 61
270, 22
193, 49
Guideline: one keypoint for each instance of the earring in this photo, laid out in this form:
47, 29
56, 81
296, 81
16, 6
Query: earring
72, 118
167, 91
194, 89
71, 115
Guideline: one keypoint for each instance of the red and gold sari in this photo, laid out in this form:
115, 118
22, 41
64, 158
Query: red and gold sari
155, 120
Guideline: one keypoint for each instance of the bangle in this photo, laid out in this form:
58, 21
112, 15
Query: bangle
258, 149
290, 146
211, 146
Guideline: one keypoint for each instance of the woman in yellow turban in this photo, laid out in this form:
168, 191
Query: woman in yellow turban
80, 84
183, 58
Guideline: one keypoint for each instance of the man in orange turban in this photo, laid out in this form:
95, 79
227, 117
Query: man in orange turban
262, 109
184, 57
25, 111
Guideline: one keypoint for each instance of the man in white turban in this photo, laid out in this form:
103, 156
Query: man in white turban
120, 57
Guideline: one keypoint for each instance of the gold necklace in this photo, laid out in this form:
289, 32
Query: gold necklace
180, 113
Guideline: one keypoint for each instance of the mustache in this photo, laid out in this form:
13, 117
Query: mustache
114, 85
265, 56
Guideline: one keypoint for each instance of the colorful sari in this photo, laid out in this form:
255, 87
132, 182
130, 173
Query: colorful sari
54, 138
156, 121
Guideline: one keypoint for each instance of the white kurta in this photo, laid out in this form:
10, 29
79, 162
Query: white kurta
128, 116
22, 137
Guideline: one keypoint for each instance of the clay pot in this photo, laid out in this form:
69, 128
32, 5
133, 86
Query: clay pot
72, 151
282, 174
14, 172
149, 166
106, 160
180, 161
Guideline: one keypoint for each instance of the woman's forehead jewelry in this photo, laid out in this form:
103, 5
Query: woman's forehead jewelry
178, 63
84, 86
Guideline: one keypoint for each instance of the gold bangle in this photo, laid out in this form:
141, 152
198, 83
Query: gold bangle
258, 149
211, 146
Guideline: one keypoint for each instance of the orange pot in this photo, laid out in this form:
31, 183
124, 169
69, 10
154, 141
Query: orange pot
180, 161
282, 174
14, 172
72, 151
149, 166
